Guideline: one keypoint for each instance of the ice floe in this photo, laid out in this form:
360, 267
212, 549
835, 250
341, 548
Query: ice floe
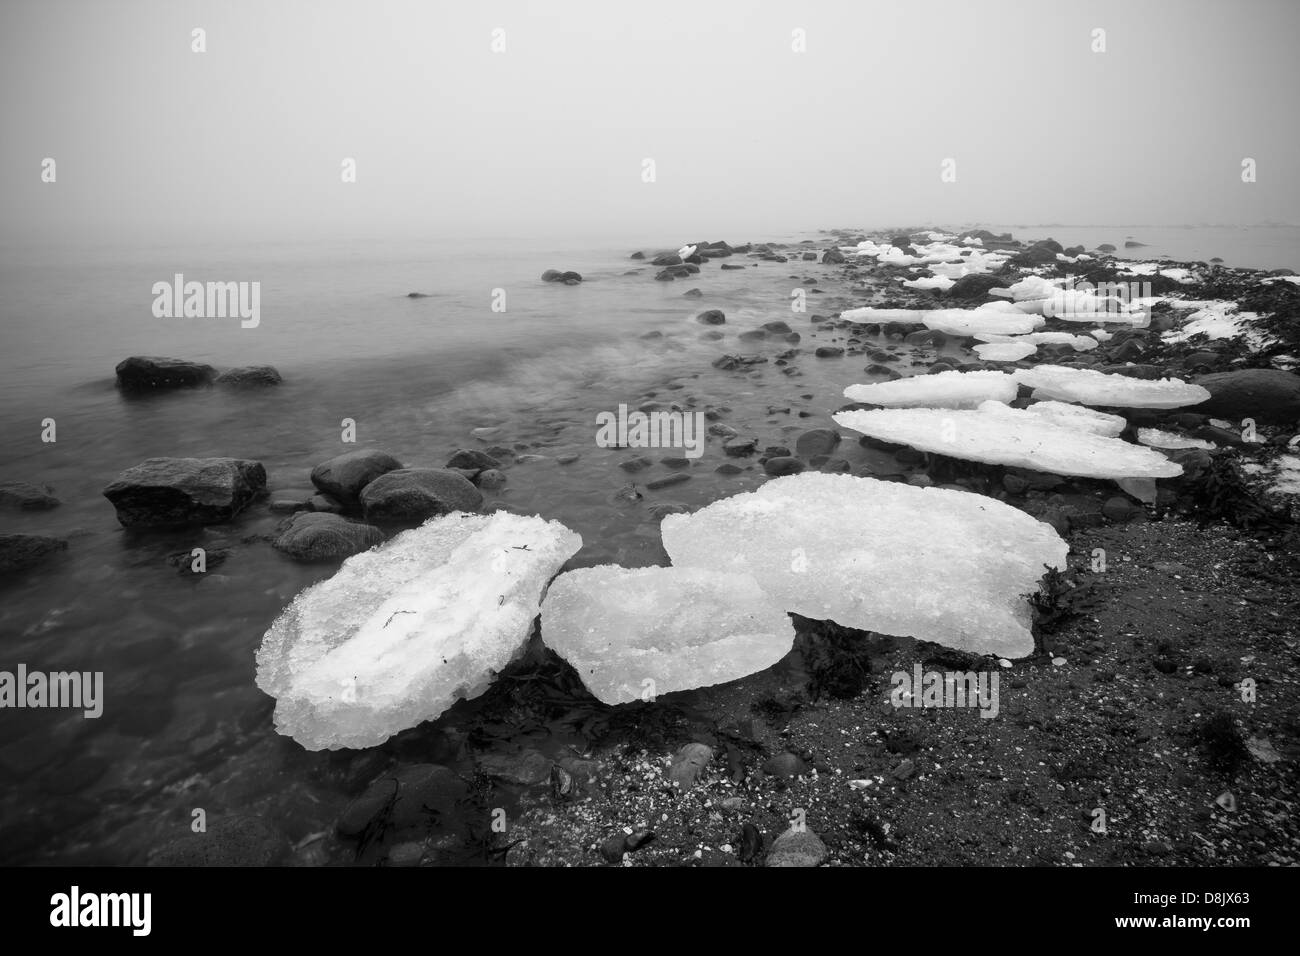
634, 633
1080, 417
1159, 438
930, 563
1090, 387
999, 435
952, 389
1005, 351
402, 632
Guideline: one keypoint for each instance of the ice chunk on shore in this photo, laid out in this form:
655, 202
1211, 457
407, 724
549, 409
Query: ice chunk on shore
942, 283
952, 389
1090, 387
1080, 417
970, 322
931, 563
870, 314
1080, 343
402, 632
1159, 438
1005, 351
633, 632
999, 435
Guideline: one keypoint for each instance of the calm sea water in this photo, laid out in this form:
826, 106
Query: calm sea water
184, 724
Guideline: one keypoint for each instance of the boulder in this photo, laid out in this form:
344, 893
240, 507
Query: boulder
472, 459
181, 491
146, 372
19, 551
414, 494
250, 376
711, 317
1265, 394
797, 847
344, 476
312, 536
28, 497
975, 286
229, 841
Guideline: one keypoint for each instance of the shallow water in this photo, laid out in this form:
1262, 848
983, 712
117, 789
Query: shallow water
184, 725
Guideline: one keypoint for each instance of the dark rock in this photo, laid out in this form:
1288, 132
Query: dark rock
19, 551
325, 537
1267, 395
344, 476
325, 504
833, 257
711, 317
740, 447
1120, 509
687, 765
975, 286
490, 479
179, 491
752, 335
528, 768
667, 481
228, 841
667, 259
555, 275
472, 458
693, 293
250, 376
777, 328
817, 441
20, 494
145, 372
637, 255
785, 765
797, 847
828, 351
406, 798
414, 494
1105, 247
777, 467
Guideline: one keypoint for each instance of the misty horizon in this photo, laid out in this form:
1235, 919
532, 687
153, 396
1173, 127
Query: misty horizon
548, 134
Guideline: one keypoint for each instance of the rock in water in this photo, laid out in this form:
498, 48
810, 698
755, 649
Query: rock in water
944, 390
146, 372
402, 632
1099, 388
998, 435
931, 563
180, 491
677, 627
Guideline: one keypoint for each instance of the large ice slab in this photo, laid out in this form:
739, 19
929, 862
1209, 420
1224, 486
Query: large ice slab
952, 389
970, 322
1080, 417
1005, 351
998, 435
931, 563
639, 632
402, 632
1090, 387
1159, 438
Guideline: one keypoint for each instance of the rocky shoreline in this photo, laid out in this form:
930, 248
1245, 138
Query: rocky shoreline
715, 776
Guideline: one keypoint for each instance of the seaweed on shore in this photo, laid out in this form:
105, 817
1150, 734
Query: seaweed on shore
1053, 605
1220, 492
1222, 743
837, 658
1276, 306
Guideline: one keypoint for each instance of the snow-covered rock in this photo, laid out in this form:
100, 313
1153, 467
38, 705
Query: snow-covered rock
635, 633
935, 564
999, 435
1090, 387
952, 389
402, 632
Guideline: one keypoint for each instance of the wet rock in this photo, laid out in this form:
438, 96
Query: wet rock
404, 799
472, 458
752, 335
783, 465
414, 494
740, 447
250, 376
711, 317
567, 278
797, 847
180, 491
975, 286
229, 841
1267, 395
688, 763
490, 479
19, 551
817, 441
693, 294
183, 561
149, 372
776, 328
833, 257
27, 497
325, 504
311, 536
528, 768
344, 476
667, 481
828, 351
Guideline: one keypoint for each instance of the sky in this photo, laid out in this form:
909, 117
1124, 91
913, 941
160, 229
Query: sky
758, 117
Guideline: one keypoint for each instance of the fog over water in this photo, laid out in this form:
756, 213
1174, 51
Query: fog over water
547, 137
